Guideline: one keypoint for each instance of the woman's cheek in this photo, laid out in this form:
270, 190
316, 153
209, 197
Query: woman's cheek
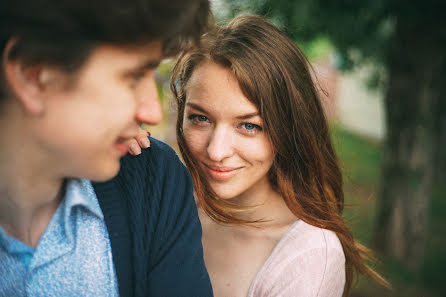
257, 147
195, 140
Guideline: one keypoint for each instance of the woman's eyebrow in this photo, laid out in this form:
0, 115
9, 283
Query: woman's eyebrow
240, 117
247, 116
196, 106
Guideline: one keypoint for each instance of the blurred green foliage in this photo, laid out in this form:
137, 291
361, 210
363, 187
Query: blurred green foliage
360, 160
317, 48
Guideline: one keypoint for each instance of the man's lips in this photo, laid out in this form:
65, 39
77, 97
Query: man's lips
121, 145
121, 148
221, 173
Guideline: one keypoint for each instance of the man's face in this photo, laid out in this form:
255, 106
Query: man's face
84, 126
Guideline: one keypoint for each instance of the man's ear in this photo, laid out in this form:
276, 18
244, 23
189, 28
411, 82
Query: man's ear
28, 83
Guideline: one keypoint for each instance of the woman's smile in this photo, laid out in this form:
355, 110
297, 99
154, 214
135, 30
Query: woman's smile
221, 173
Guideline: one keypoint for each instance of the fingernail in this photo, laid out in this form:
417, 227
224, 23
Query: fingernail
145, 142
135, 149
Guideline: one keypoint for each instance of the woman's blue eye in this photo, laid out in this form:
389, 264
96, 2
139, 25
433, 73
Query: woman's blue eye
197, 118
250, 126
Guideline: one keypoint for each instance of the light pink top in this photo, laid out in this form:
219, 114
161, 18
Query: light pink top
307, 262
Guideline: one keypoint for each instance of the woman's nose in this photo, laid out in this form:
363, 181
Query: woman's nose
220, 144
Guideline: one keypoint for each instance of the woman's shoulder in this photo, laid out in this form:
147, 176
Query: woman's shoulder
302, 237
303, 241
306, 261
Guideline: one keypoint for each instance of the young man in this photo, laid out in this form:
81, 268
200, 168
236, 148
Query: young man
77, 79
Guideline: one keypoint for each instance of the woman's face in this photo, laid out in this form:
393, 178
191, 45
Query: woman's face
224, 133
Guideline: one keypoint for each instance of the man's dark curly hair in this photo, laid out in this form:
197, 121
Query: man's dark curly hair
63, 33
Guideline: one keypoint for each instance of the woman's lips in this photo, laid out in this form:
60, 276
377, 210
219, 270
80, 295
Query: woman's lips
221, 173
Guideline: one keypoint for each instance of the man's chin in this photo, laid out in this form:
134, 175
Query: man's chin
105, 174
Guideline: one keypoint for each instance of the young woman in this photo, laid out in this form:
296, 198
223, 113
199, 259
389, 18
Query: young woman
253, 134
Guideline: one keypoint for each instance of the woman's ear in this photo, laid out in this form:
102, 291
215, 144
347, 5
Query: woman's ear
27, 83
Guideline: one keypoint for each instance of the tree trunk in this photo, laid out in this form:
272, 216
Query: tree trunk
414, 151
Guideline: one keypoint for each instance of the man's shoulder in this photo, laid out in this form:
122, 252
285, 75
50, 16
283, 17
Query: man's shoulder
156, 155
146, 174
155, 163
159, 147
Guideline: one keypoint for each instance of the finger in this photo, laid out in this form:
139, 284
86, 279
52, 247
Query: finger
133, 147
143, 139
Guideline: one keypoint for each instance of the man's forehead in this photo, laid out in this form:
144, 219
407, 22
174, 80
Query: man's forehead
151, 51
133, 56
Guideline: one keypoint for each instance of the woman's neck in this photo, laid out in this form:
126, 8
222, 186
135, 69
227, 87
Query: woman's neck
265, 205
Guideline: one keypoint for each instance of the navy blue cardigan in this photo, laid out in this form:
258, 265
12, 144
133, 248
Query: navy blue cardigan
153, 225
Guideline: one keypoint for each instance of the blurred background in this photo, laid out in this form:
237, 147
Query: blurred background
381, 69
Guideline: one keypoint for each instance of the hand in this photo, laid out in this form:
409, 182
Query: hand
140, 141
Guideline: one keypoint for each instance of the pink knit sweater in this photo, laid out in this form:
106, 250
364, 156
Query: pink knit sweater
307, 262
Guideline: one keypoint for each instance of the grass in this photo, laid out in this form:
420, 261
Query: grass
360, 160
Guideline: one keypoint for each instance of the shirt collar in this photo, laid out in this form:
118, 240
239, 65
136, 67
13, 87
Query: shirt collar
80, 192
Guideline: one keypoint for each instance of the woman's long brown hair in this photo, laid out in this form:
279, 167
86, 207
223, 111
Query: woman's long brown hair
275, 75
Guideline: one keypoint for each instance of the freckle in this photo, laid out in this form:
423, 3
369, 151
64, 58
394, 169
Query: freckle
228, 284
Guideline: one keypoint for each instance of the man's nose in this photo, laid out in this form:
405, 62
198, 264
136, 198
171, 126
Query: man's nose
149, 109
